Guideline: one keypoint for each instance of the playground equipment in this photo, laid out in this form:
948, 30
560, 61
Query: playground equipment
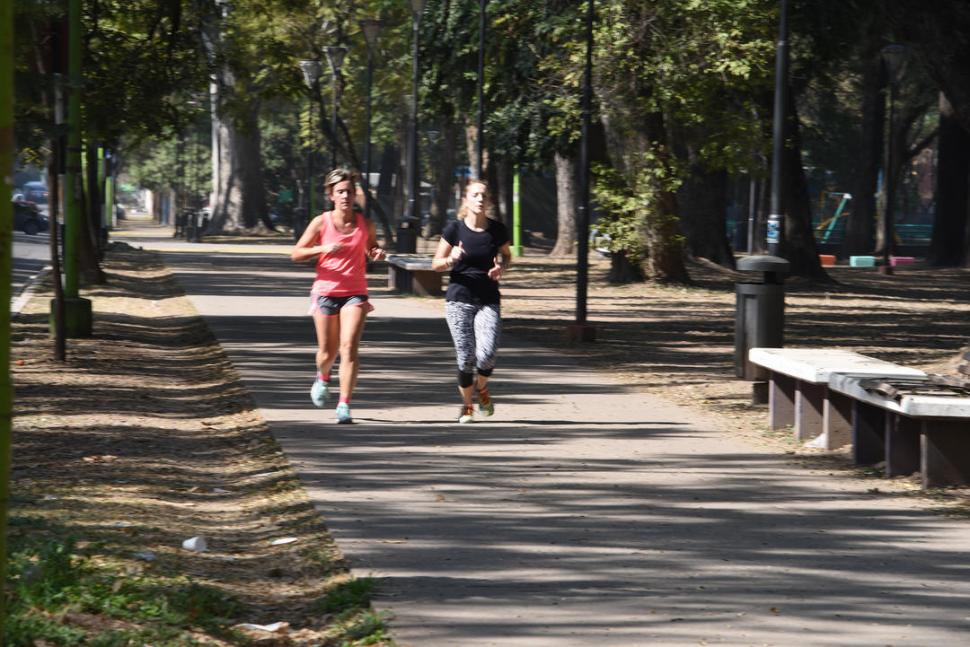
829, 224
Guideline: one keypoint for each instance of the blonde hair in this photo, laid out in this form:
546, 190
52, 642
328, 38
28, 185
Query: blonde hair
339, 175
463, 209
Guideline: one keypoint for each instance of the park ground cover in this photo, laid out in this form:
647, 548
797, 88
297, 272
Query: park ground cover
146, 437
143, 439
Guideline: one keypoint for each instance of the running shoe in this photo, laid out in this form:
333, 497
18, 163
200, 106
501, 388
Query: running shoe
467, 415
319, 392
485, 406
343, 414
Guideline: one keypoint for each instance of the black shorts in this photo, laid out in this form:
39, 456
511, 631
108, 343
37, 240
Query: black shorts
330, 306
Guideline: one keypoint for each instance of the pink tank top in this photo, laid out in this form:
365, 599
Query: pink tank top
342, 273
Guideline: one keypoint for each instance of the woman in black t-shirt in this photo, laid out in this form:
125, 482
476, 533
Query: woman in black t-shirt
475, 249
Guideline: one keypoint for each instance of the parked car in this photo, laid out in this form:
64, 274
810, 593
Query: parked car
35, 192
28, 218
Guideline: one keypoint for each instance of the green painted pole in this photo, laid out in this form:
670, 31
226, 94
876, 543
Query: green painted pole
77, 311
109, 191
72, 178
6, 274
101, 187
516, 216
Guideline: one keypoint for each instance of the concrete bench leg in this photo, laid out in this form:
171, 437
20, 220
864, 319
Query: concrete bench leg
398, 279
868, 431
781, 401
836, 420
945, 453
808, 410
902, 445
426, 283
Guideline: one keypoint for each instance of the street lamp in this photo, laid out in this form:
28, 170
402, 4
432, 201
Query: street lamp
893, 57
775, 218
412, 217
581, 330
372, 29
336, 57
311, 76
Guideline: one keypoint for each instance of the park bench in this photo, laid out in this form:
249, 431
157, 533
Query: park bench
799, 394
916, 423
412, 274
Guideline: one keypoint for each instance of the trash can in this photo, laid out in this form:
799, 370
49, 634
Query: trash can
759, 311
407, 237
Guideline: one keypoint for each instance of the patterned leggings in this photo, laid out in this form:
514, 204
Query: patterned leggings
475, 330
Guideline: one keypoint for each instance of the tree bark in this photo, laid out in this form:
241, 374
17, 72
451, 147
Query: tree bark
443, 177
566, 196
622, 271
505, 172
238, 196
702, 199
798, 243
860, 227
950, 226
665, 262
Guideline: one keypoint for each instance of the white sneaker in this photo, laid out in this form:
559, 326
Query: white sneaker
319, 392
467, 415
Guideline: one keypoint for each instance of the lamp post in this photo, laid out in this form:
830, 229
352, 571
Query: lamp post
893, 57
581, 330
311, 76
479, 122
407, 243
336, 57
372, 29
775, 218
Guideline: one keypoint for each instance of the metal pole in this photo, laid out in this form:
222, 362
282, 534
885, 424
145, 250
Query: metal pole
776, 218
752, 211
480, 120
582, 215
414, 185
367, 158
888, 214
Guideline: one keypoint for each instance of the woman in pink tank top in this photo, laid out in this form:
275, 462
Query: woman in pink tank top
341, 241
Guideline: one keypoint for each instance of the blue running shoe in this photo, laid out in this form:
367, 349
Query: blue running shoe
319, 392
343, 414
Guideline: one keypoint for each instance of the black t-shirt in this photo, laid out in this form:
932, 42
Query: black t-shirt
469, 282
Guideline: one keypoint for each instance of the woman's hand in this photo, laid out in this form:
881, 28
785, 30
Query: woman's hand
377, 253
330, 248
456, 253
496, 272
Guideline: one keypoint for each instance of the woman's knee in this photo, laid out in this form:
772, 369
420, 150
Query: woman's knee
349, 351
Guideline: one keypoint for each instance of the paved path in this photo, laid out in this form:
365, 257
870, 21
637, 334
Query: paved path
583, 513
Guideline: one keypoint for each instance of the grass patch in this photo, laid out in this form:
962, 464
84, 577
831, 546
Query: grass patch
63, 595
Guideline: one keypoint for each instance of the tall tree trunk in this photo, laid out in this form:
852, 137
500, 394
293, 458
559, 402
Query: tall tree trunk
702, 199
566, 196
860, 227
95, 200
798, 242
444, 177
471, 141
386, 183
238, 195
950, 225
505, 172
665, 262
